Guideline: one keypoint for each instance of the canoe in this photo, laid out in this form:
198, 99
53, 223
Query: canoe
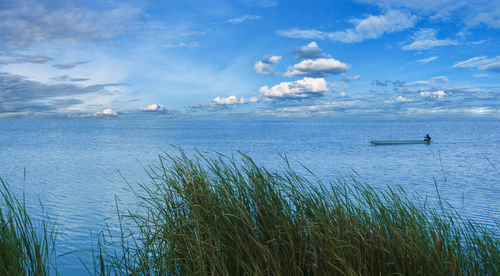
402, 142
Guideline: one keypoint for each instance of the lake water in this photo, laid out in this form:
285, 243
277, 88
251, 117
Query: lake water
74, 166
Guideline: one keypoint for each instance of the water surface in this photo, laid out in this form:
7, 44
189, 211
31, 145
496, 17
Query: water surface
75, 166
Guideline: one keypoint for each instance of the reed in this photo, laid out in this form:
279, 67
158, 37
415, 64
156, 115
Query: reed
27, 247
212, 214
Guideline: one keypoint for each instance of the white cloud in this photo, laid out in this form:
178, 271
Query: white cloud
307, 34
434, 80
233, 100
305, 88
425, 39
316, 68
427, 60
347, 79
106, 112
260, 3
480, 75
26, 22
332, 105
249, 100
371, 27
238, 20
472, 13
310, 50
264, 66
481, 62
399, 99
478, 42
271, 59
417, 83
439, 95
228, 100
152, 108
193, 44
439, 79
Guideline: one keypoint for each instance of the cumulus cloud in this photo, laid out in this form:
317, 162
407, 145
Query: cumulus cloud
481, 62
243, 18
316, 68
439, 95
427, 60
106, 112
425, 39
265, 65
152, 108
226, 101
300, 89
25, 22
371, 27
231, 101
399, 99
310, 50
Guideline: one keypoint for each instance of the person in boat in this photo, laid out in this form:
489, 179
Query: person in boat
427, 138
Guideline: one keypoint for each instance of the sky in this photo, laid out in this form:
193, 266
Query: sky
250, 59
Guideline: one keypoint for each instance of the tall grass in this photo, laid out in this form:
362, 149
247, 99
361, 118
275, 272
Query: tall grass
26, 246
212, 214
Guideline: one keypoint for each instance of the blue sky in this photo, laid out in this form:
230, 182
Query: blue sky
250, 59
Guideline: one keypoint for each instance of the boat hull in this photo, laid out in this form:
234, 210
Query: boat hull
404, 142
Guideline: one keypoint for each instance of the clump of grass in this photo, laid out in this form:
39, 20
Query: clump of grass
26, 247
211, 214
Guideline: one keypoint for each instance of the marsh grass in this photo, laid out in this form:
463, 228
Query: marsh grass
26, 246
208, 214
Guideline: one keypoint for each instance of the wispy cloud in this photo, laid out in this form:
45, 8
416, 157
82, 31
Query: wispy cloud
25, 22
68, 78
69, 65
34, 97
347, 79
481, 62
399, 99
243, 18
371, 27
471, 13
193, 44
427, 60
425, 39
24, 59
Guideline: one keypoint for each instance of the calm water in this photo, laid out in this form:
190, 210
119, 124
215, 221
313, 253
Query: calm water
73, 165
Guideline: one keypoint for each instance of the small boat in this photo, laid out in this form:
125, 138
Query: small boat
401, 142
